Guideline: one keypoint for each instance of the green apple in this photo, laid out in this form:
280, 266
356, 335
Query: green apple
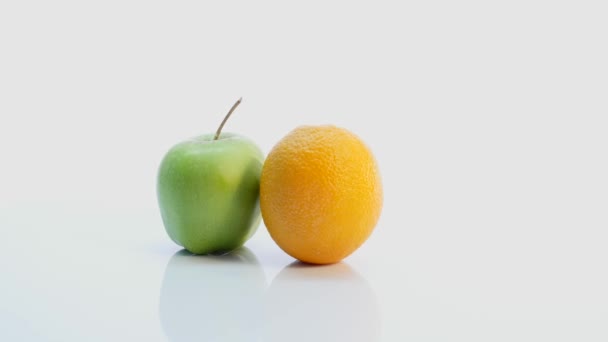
208, 191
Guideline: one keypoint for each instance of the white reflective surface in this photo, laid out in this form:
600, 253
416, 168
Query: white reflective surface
73, 273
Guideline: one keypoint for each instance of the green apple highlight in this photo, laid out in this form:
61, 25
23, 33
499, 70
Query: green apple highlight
208, 191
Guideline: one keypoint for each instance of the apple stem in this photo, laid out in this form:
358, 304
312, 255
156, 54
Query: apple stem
219, 129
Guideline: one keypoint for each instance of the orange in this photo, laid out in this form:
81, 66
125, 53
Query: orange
320, 193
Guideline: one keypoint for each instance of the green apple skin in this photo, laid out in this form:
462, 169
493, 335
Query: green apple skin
208, 192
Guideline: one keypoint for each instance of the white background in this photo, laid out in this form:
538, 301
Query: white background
488, 120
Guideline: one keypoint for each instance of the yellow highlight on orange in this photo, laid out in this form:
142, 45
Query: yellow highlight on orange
320, 193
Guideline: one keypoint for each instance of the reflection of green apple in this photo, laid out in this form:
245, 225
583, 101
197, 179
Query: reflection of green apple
208, 191
212, 298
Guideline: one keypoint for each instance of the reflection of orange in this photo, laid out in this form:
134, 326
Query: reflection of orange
320, 193
320, 303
